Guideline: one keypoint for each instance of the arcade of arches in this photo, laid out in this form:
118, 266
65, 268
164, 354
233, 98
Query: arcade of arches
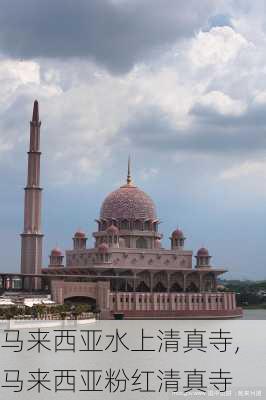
165, 281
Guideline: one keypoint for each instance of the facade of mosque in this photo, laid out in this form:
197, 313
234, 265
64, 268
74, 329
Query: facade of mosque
128, 272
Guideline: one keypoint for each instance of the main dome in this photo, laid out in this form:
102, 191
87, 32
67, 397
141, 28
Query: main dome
128, 202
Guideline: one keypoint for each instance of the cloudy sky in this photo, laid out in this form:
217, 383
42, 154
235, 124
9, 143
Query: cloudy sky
180, 85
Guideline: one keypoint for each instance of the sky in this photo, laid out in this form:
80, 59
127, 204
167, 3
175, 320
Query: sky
180, 85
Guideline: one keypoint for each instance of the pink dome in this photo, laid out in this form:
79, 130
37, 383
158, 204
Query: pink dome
80, 235
56, 252
203, 252
112, 230
128, 202
177, 234
103, 248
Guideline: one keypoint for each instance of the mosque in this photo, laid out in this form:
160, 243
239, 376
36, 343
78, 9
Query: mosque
128, 272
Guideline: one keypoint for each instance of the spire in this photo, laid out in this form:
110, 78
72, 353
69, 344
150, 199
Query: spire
129, 180
35, 113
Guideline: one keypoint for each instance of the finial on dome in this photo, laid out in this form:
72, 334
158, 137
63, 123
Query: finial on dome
129, 180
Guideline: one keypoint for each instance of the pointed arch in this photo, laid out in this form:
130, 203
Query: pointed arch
208, 282
159, 287
142, 287
175, 287
141, 243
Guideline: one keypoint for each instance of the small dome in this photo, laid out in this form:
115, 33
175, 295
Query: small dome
177, 234
80, 235
56, 252
112, 230
203, 252
103, 248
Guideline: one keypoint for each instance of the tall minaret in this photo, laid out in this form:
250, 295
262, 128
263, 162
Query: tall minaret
32, 238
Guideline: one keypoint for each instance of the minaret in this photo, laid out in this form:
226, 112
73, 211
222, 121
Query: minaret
32, 238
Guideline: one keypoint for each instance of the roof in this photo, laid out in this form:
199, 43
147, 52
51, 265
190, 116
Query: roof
178, 234
203, 252
56, 252
80, 235
128, 203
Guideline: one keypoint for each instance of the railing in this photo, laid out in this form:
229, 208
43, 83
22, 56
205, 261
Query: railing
204, 301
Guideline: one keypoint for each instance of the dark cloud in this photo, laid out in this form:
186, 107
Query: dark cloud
209, 133
116, 35
253, 117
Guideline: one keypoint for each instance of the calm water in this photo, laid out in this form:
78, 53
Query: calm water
254, 314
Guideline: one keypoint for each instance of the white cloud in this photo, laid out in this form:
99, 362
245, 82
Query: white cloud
21, 78
16, 76
4, 146
218, 46
222, 103
260, 97
148, 173
245, 169
22, 72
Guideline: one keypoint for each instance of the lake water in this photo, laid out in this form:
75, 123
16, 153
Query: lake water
254, 314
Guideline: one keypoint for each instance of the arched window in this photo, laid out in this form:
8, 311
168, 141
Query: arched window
138, 225
147, 225
127, 242
141, 243
124, 224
